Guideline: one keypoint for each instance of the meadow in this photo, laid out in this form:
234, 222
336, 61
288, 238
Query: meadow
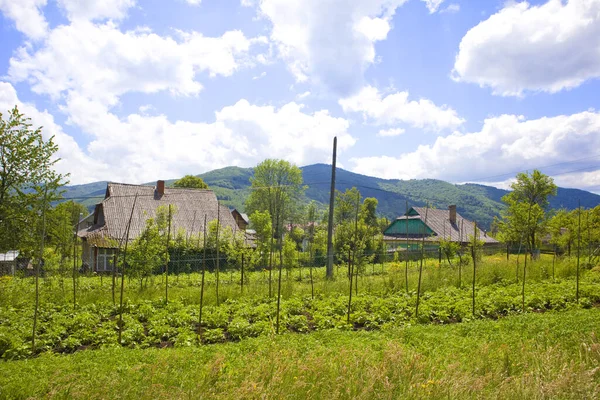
239, 331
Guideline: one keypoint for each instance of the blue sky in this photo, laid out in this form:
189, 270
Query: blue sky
462, 91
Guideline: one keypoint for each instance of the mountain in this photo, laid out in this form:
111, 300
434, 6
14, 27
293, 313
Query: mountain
476, 202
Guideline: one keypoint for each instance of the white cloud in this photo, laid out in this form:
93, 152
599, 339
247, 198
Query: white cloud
262, 75
390, 132
27, 16
328, 42
96, 9
73, 161
102, 63
143, 147
551, 47
433, 5
451, 9
194, 2
505, 143
395, 108
303, 95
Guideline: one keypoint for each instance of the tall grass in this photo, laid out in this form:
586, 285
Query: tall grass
552, 355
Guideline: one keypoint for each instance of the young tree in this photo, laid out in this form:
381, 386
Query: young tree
146, 254
261, 222
27, 179
62, 222
525, 216
276, 188
190, 182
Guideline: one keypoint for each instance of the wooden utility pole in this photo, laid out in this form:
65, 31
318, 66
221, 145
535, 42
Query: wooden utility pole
329, 270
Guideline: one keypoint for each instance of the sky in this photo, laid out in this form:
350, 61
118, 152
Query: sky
459, 90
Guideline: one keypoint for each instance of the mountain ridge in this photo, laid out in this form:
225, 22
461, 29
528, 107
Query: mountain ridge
474, 201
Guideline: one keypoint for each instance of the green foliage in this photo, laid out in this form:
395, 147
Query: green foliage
147, 252
190, 182
449, 249
290, 259
554, 355
277, 188
261, 222
28, 181
61, 224
525, 217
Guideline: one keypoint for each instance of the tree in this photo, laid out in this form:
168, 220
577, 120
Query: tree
190, 182
525, 216
276, 188
261, 222
61, 226
27, 179
147, 252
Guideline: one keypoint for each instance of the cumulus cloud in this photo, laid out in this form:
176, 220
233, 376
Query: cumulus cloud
94, 9
451, 9
433, 5
505, 143
390, 132
73, 161
551, 47
395, 108
101, 62
143, 147
27, 16
330, 43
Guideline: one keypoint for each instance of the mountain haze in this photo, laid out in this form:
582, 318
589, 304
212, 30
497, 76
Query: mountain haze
476, 202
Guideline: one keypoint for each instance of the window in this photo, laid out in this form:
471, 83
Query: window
105, 260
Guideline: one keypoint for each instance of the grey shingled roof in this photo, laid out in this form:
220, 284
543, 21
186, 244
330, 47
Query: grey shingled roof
189, 208
439, 221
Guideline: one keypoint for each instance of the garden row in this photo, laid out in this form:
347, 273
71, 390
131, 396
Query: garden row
156, 324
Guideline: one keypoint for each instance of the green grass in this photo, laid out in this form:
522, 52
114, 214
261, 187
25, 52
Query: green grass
551, 355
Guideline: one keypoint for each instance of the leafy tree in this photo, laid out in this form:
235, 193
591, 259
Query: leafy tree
261, 222
276, 188
61, 223
449, 249
563, 229
191, 182
368, 212
147, 252
27, 181
525, 216
289, 253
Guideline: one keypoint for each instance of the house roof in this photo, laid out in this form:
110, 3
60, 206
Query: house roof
9, 255
243, 216
439, 222
189, 208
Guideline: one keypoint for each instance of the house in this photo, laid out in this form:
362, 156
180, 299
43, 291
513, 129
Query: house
104, 231
241, 219
8, 262
418, 223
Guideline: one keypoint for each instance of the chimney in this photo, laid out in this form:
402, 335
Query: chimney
160, 187
452, 210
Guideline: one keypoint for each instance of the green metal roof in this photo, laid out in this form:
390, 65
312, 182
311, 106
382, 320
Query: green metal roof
414, 226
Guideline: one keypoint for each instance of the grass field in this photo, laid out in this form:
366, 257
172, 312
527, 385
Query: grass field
531, 356
549, 349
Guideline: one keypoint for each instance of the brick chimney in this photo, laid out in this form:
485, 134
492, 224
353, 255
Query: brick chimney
160, 187
452, 210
